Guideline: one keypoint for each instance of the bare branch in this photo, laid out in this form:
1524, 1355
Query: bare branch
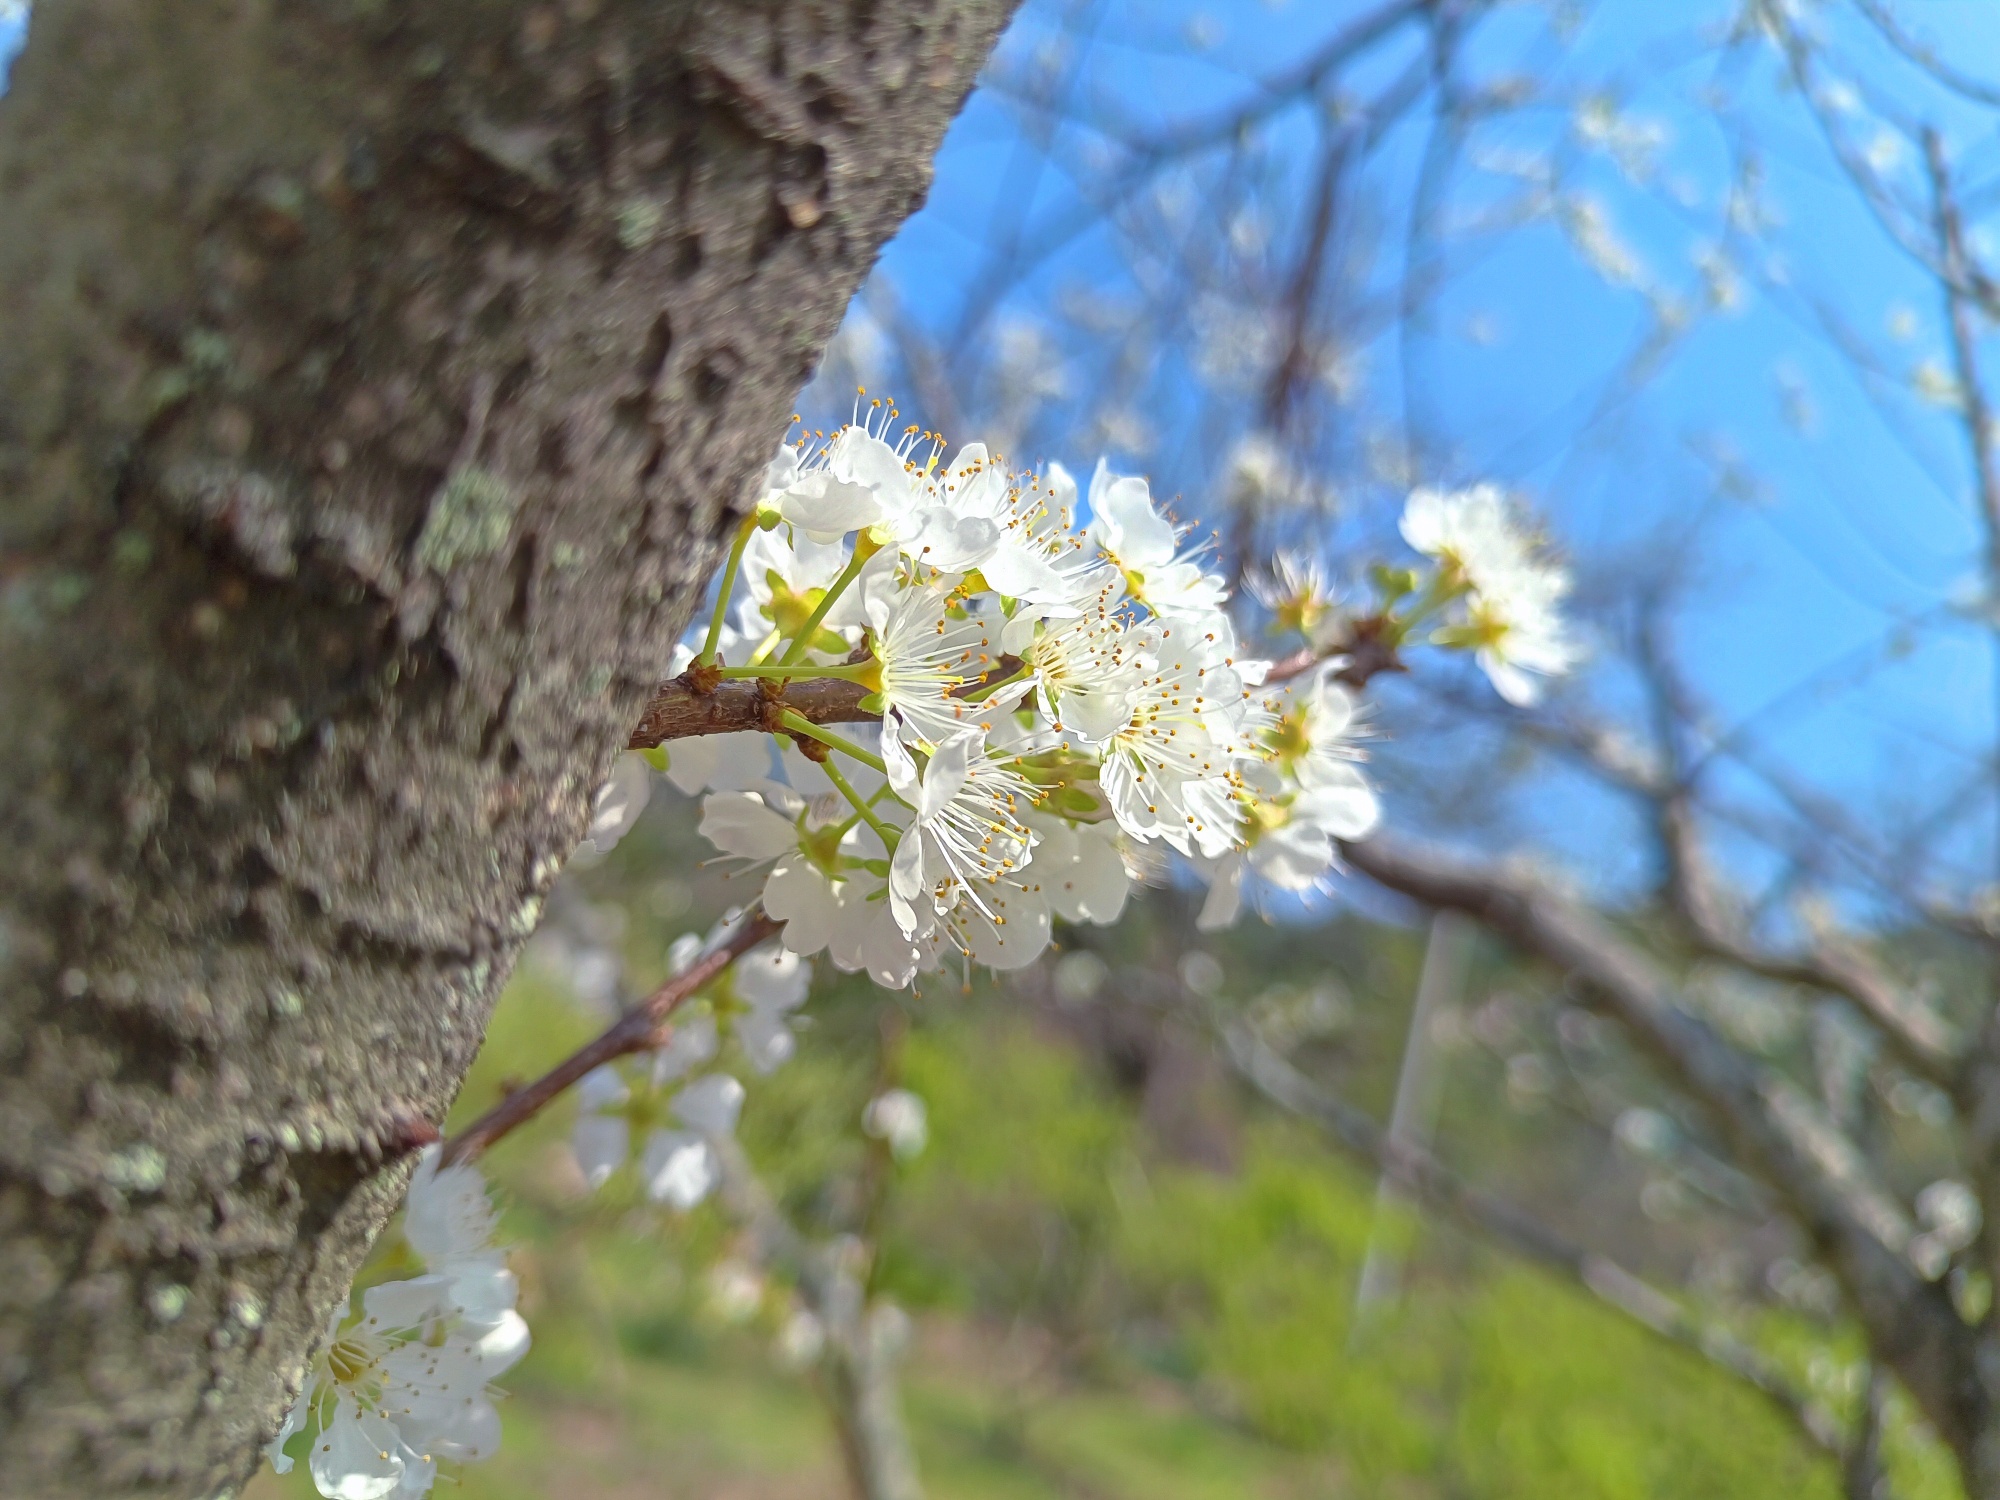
1884, 21
640, 1029
1958, 275
1436, 1186
857, 1364
1923, 1040
1779, 1135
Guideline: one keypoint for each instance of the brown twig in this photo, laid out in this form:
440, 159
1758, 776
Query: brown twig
640, 1029
678, 711
1364, 655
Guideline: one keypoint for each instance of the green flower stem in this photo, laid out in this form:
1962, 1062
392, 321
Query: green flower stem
765, 647
848, 574
743, 534
797, 723
1446, 585
882, 830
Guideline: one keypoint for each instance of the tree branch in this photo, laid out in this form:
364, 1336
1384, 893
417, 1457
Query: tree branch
678, 711
640, 1029
858, 1360
1922, 1040
1778, 1134
1438, 1187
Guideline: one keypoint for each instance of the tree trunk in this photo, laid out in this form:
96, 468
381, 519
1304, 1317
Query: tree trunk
375, 380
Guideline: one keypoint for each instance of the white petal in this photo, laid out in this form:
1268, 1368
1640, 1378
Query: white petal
801, 896
295, 1420
356, 1457
678, 1168
765, 1038
710, 1104
1225, 896
739, 823
1346, 812
447, 1212
600, 1144
1018, 932
1095, 887
945, 776
773, 978
601, 1088
1293, 857
408, 1303
718, 762
1095, 717
830, 510
502, 1345
906, 881
473, 1435
620, 801
693, 1042
1509, 681
902, 769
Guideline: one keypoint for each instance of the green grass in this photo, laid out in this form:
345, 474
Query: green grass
1093, 1323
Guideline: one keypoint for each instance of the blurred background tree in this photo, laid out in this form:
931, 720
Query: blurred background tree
1680, 1182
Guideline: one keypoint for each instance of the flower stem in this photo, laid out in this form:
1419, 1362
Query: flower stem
1445, 586
797, 723
743, 533
883, 831
848, 574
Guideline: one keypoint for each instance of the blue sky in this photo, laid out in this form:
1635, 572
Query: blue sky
1833, 540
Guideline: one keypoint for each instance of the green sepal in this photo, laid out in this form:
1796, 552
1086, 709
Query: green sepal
1395, 583
656, 757
872, 704
879, 867
1071, 799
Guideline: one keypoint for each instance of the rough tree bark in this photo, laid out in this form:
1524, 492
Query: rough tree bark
374, 382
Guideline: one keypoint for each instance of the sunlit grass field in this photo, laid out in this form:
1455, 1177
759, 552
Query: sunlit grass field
1089, 1319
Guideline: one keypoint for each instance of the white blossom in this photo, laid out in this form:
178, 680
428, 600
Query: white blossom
1144, 547
1171, 773
897, 1118
965, 834
1510, 615
617, 806
925, 655
772, 984
406, 1383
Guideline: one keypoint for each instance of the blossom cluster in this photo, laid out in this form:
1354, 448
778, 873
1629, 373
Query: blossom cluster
1051, 701
1502, 599
406, 1382
1041, 705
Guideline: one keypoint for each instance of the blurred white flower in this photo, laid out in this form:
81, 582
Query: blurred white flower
735, 1290
617, 806
801, 1340
898, 1118
772, 983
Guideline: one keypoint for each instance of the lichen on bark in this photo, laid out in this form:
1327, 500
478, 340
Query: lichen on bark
375, 381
